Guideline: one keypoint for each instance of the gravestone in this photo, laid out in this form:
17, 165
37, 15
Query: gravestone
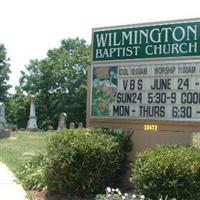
71, 125
32, 122
2, 116
62, 121
3, 132
80, 124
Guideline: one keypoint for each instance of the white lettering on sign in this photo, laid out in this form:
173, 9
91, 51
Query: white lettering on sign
167, 49
155, 35
146, 41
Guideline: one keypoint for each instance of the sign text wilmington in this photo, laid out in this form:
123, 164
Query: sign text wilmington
169, 40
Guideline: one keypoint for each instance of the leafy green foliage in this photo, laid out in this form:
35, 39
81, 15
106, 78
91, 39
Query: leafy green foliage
19, 108
83, 161
4, 74
125, 145
172, 171
59, 82
32, 173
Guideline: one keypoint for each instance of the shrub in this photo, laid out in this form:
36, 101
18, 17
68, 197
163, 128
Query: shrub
32, 173
168, 170
84, 161
124, 144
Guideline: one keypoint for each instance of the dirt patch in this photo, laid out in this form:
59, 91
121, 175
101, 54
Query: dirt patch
43, 195
37, 195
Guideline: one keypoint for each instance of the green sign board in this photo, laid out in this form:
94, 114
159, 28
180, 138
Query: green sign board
150, 41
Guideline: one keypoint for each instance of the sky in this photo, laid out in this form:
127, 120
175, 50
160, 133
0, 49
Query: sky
29, 28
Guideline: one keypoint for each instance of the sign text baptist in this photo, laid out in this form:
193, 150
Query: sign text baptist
168, 40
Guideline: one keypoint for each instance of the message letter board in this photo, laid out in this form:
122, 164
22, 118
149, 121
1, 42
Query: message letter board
144, 72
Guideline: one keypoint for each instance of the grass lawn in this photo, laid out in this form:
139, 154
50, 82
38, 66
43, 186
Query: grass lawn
15, 150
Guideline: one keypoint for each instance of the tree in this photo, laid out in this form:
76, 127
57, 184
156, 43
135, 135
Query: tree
4, 74
59, 82
18, 111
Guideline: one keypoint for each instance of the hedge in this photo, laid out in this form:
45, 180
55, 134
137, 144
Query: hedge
168, 170
85, 161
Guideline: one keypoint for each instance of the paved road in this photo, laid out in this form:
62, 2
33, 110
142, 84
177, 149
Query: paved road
9, 189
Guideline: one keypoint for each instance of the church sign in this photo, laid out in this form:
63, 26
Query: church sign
145, 72
152, 41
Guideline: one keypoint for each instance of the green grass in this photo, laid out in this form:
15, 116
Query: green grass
15, 150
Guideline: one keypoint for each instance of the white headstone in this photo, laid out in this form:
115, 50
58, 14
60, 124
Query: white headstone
62, 121
71, 125
32, 122
4, 133
2, 116
80, 124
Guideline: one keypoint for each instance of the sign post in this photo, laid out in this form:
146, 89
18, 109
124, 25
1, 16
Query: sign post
146, 78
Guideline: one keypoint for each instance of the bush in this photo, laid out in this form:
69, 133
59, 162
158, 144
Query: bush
84, 161
167, 170
125, 145
32, 173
